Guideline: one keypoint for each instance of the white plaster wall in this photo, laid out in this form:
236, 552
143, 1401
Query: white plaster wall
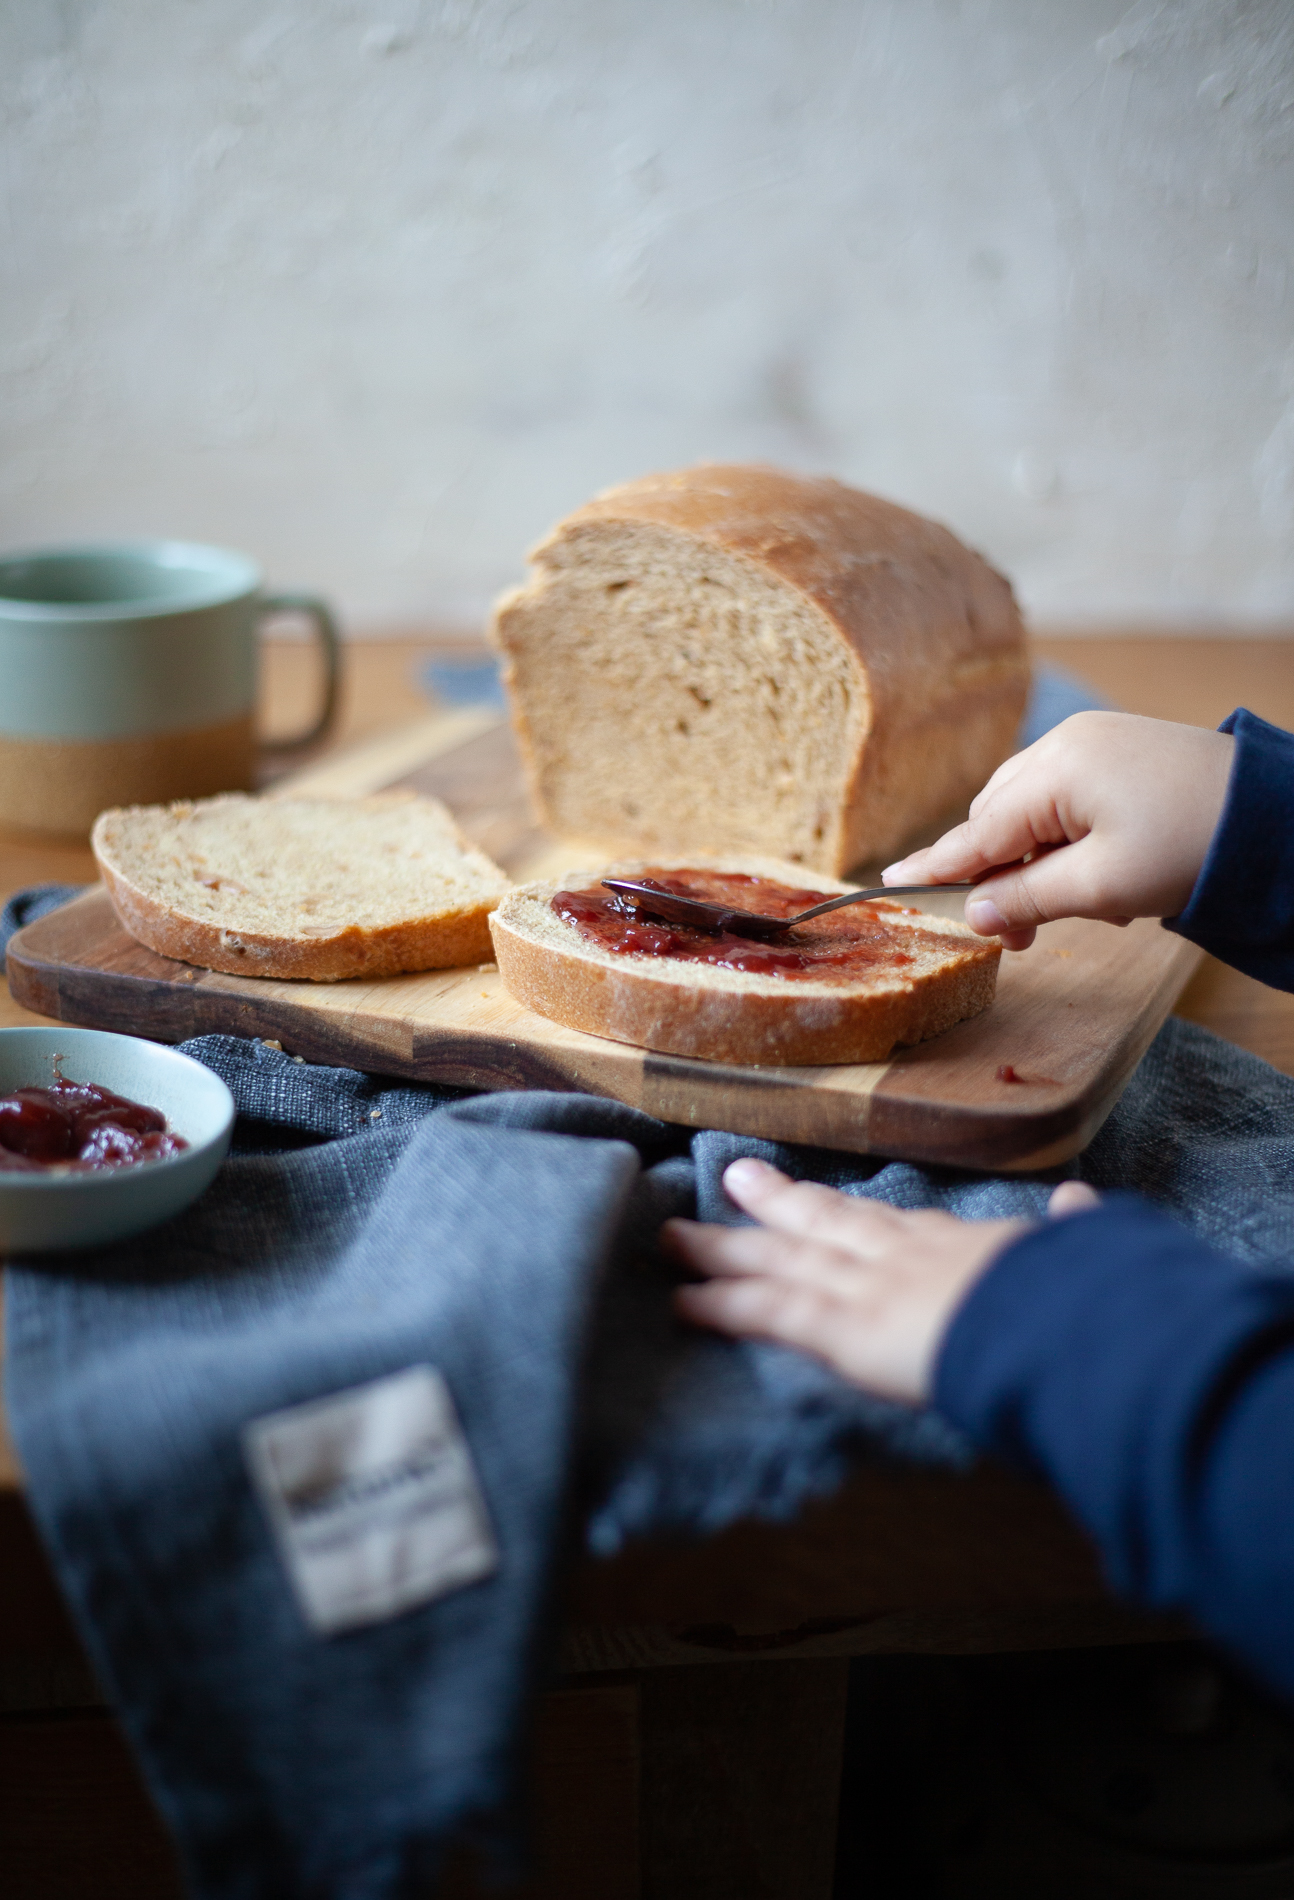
376, 289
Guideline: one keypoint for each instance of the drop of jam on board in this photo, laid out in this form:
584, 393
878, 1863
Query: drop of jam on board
1007, 1072
79, 1127
839, 946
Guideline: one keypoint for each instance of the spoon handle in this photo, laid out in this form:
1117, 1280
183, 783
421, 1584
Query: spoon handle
880, 890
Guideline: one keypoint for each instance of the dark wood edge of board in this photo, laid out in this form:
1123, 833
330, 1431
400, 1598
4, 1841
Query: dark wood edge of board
180, 1002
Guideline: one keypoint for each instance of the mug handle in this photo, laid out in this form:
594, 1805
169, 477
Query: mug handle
329, 637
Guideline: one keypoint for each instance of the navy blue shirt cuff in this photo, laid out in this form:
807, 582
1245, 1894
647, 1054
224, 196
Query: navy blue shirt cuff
1091, 1352
1242, 907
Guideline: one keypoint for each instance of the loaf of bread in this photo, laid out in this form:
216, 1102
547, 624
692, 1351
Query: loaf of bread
300, 887
730, 1015
737, 659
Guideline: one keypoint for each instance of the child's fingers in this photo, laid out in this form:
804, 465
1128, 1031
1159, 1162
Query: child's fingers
1072, 1197
750, 1181
878, 1321
909, 870
807, 1210
947, 861
757, 1308
1008, 769
1012, 822
1014, 939
1004, 830
958, 846
889, 1354
1056, 884
736, 1252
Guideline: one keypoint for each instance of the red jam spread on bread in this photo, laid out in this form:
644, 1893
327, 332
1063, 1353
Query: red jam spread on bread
80, 1127
843, 944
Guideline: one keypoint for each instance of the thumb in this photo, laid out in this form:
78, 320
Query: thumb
1054, 883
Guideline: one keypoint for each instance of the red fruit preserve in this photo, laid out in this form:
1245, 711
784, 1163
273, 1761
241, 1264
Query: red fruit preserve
838, 947
81, 1127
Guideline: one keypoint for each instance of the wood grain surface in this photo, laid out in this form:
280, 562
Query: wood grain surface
1072, 1017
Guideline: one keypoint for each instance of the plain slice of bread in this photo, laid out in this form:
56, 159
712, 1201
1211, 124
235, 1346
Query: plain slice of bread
306, 887
697, 1009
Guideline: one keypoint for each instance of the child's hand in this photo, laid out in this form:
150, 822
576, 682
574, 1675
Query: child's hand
1114, 811
866, 1287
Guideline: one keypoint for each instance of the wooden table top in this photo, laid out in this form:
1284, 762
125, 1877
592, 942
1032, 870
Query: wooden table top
900, 1559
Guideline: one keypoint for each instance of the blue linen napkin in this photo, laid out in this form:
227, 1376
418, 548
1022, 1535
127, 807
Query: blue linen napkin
363, 1231
506, 1241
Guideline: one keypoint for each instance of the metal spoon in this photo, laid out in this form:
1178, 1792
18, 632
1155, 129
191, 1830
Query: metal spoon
747, 923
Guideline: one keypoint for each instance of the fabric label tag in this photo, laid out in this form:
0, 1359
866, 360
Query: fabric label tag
373, 1499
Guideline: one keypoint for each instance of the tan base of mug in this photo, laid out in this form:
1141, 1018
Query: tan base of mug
61, 785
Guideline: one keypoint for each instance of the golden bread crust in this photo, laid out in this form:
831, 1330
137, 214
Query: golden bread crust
442, 944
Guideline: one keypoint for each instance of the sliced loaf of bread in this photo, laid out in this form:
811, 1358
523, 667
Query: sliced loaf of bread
300, 887
729, 1015
736, 659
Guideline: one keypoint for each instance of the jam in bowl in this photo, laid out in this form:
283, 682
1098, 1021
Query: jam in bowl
116, 1136
80, 1125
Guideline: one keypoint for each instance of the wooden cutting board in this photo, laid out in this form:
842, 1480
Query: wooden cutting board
1073, 1015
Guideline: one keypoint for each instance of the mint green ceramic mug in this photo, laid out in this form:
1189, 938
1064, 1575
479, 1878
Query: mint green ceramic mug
128, 677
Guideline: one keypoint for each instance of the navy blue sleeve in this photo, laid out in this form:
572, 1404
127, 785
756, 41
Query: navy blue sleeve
1242, 907
1151, 1380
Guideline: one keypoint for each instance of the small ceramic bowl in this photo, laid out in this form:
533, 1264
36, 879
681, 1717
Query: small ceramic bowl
48, 1212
